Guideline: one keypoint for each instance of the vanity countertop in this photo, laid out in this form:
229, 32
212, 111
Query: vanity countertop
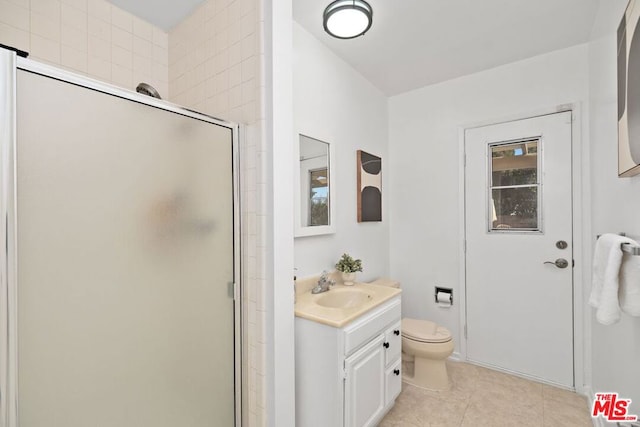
360, 298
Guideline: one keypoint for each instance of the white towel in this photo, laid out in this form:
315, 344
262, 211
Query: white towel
607, 260
629, 292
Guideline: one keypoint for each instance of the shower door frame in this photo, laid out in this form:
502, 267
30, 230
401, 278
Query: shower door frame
10, 63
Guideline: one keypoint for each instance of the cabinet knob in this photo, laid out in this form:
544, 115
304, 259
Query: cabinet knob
396, 332
396, 371
385, 345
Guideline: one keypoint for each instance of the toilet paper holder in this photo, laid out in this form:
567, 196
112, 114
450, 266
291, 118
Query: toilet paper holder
444, 291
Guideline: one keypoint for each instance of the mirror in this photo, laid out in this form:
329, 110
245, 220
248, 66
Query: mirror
314, 199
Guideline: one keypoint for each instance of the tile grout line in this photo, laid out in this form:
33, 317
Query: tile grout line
464, 414
468, 400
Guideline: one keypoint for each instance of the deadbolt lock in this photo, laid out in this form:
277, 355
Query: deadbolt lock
561, 244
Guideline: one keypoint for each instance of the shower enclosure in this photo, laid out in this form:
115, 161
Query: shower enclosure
120, 260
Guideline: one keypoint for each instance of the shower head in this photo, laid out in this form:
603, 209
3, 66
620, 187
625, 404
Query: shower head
147, 89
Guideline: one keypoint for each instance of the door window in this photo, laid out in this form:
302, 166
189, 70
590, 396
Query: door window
514, 186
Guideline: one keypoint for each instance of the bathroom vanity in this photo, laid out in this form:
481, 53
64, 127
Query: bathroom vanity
348, 356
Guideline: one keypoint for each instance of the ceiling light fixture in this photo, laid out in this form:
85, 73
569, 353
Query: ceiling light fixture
347, 19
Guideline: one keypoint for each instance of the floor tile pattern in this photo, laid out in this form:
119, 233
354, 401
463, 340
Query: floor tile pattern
481, 397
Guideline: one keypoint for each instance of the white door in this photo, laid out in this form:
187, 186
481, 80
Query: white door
364, 387
518, 223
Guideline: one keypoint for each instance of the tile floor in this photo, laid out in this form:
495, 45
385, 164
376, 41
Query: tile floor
482, 397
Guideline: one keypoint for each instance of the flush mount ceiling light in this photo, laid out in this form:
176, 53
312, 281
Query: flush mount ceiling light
346, 19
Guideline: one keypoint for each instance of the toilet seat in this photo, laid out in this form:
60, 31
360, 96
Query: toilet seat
424, 331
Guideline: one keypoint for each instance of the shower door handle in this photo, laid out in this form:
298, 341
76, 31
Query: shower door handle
560, 263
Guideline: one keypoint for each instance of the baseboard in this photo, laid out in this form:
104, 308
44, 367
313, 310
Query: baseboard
455, 356
521, 375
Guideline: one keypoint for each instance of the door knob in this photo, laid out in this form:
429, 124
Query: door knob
560, 263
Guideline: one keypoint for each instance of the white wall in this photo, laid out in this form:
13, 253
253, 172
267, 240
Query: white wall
277, 198
335, 104
425, 157
615, 208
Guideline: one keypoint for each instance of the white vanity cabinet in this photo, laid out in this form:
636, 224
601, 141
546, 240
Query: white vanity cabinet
349, 376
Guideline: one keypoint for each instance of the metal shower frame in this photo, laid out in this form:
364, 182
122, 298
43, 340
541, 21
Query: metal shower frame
10, 63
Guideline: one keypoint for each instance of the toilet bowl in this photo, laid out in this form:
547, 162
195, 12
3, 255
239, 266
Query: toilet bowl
427, 345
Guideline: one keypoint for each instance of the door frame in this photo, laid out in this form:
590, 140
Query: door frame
10, 63
580, 231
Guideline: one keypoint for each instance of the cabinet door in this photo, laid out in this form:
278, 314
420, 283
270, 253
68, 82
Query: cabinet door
393, 382
393, 337
365, 385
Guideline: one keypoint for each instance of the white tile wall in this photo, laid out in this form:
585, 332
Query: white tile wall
215, 58
90, 37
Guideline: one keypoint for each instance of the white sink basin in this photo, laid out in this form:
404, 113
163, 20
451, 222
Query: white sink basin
342, 304
344, 298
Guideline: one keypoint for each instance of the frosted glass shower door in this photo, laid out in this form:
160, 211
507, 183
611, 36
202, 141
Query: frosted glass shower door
125, 262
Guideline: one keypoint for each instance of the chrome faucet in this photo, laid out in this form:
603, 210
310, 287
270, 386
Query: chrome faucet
324, 284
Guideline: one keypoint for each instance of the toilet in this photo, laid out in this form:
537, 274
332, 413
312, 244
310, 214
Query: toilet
425, 345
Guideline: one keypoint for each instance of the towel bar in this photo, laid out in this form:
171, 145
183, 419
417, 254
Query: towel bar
630, 249
627, 247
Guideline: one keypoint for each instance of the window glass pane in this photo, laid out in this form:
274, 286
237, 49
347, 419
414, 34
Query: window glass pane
514, 164
515, 208
319, 187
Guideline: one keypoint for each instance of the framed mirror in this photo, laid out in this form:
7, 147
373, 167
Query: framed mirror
314, 198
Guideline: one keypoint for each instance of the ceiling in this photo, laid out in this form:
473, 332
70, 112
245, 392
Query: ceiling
414, 43
165, 14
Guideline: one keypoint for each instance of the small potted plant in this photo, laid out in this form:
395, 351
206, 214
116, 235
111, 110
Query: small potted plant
348, 267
